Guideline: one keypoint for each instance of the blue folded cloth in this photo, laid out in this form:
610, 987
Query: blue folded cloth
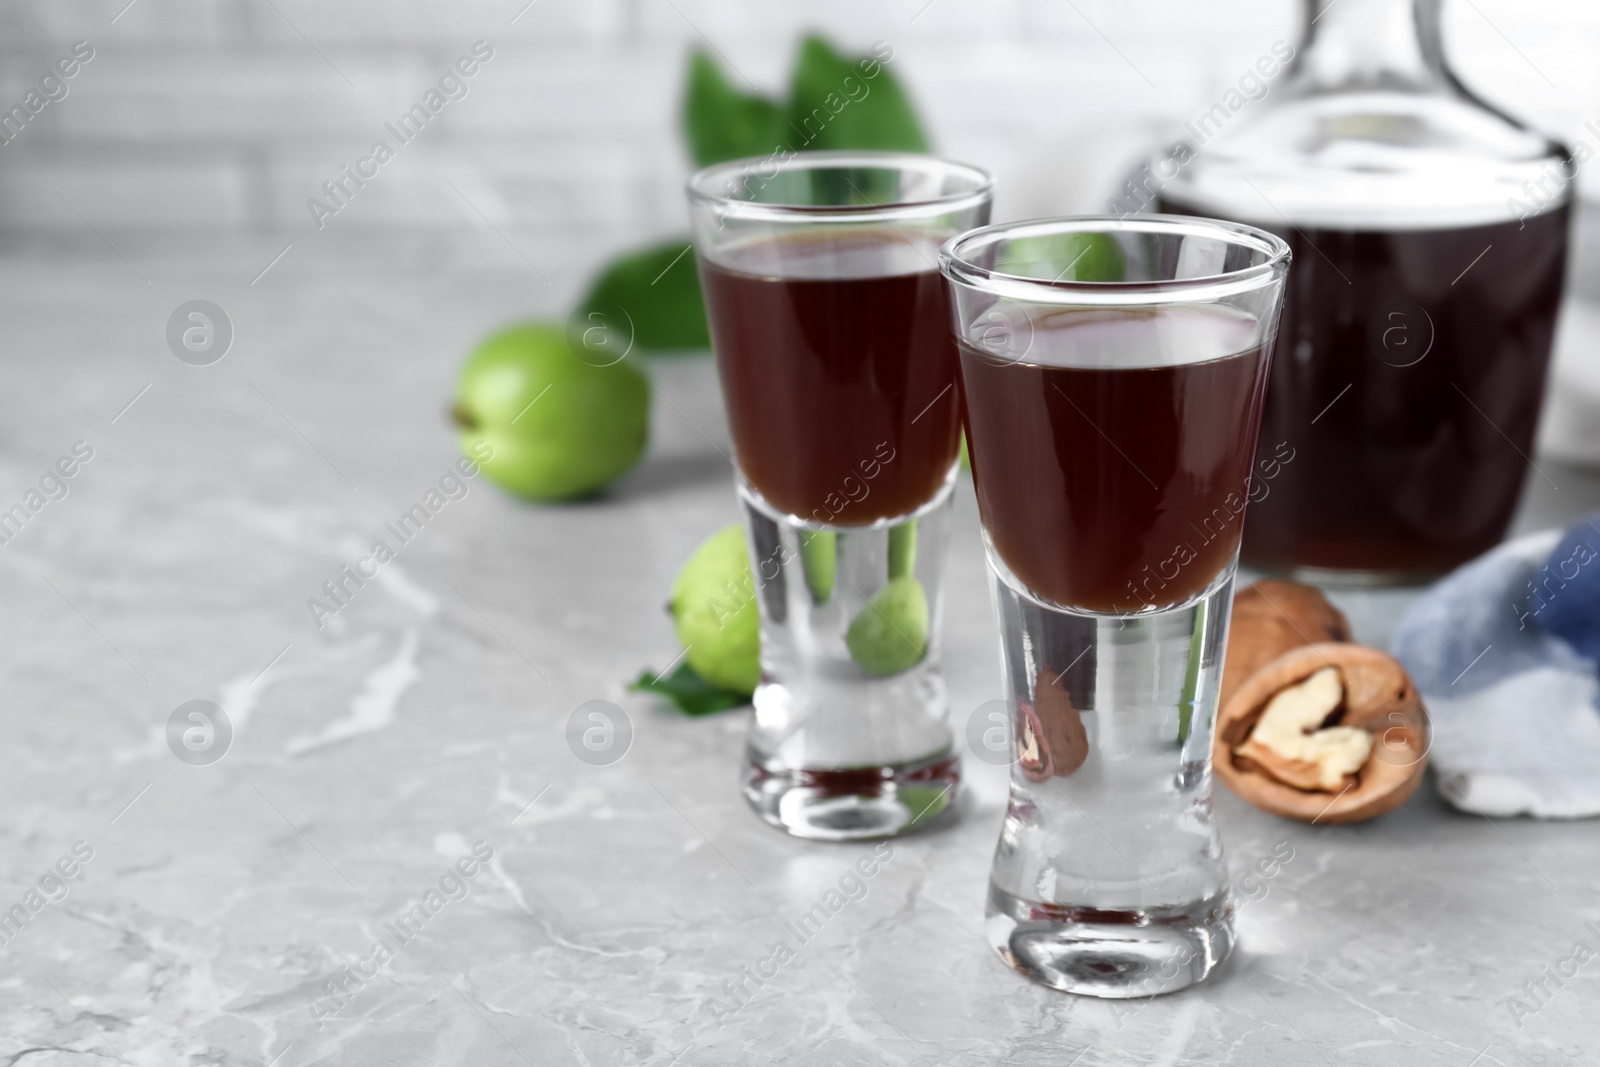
1506, 654
1566, 598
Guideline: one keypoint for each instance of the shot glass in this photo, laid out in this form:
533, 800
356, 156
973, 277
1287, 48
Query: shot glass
1112, 374
830, 322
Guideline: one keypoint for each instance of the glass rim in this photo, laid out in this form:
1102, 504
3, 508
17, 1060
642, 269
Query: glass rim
956, 261
708, 185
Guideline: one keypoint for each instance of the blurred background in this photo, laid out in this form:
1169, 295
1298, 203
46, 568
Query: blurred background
178, 165
195, 136
191, 143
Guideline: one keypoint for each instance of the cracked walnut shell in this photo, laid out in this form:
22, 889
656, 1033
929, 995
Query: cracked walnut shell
1269, 618
1377, 697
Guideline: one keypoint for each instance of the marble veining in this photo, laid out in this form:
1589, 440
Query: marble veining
424, 726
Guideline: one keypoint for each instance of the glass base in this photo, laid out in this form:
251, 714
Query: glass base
851, 735
1140, 952
1109, 878
852, 804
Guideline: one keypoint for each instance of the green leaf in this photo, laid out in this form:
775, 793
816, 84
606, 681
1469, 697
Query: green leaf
655, 295
687, 691
723, 123
839, 103
1081, 257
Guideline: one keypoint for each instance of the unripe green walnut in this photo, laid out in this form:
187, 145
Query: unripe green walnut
890, 634
556, 426
713, 609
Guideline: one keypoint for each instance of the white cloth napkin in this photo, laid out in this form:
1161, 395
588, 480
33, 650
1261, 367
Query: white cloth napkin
1516, 726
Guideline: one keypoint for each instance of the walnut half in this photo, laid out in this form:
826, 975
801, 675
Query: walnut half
1330, 732
1293, 743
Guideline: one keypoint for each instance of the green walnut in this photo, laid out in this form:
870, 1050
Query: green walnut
890, 634
555, 426
713, 608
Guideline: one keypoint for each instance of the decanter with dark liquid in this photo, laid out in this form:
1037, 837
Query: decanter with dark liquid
1429, 235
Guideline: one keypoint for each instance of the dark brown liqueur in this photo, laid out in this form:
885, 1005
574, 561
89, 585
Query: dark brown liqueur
838, 372
1112, 468
1408, 381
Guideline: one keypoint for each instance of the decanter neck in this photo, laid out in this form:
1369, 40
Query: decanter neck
1372, 44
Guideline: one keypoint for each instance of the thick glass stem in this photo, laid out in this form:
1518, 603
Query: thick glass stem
851, 736
1109, 878
1372, 44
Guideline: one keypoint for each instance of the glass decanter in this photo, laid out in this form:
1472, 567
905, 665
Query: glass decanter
1429, 233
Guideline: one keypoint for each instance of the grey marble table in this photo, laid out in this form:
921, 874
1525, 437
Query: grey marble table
227, 913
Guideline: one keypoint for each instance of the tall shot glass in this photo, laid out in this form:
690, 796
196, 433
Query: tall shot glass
830, 322
1112, 425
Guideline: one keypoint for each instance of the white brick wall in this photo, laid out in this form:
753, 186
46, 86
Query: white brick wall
200, 128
